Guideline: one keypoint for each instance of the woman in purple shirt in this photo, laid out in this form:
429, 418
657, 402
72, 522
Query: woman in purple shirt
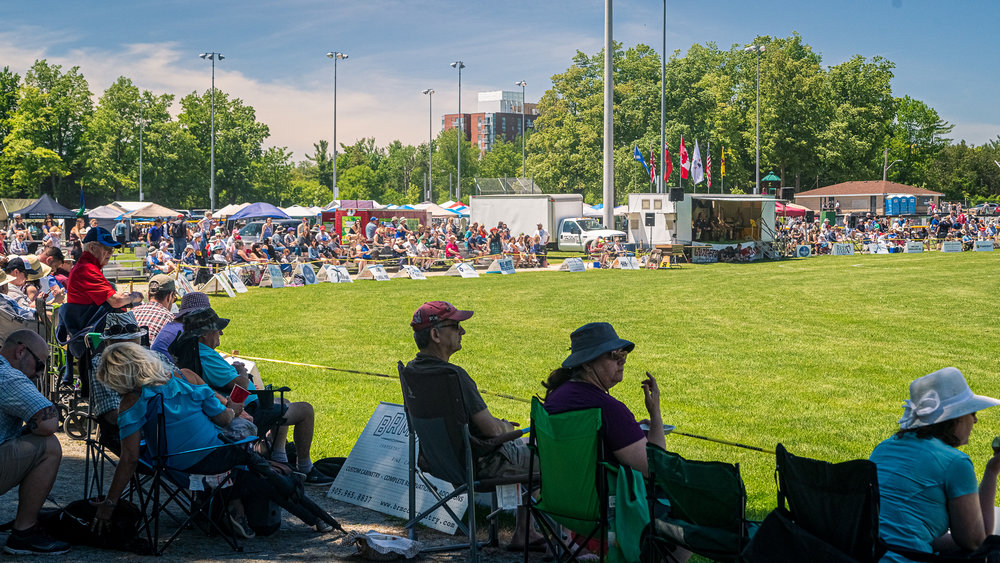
595, 365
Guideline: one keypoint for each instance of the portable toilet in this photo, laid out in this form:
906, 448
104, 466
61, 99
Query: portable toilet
891, 205
911, 205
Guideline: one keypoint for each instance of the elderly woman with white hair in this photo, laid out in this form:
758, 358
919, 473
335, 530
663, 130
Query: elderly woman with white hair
927, 486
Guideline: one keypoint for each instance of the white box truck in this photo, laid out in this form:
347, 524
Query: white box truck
560, 214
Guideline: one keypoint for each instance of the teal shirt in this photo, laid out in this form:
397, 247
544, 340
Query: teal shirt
187, 410
916, 479
217, 372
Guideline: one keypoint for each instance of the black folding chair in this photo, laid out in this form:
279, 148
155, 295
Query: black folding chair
436, 413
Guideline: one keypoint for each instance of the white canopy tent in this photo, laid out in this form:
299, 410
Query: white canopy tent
230, 209
298, 211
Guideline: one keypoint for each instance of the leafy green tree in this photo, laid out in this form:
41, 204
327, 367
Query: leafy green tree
113, 138
358, 182
9, 84
273, 173
45, 147
239, 141
321, 169
502, 161
446, 164
397, 172
917, 137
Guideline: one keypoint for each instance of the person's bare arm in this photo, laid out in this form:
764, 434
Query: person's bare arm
119, 300
490, 425
45, 422
966, 521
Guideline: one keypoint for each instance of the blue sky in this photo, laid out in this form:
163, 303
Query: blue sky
944, 52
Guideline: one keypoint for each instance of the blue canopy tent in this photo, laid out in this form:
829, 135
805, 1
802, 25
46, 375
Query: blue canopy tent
257, 211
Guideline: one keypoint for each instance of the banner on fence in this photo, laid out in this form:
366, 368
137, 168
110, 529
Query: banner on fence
572, 265
503, 266
374, 272
272, 277
843, 249
410, 271
236, 281
376, 473
462, 269
628, 263
704, 255
218, 284
308, 274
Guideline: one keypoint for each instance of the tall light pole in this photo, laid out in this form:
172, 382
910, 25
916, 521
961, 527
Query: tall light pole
663, 104
458, 187
335, 55
886, 165
211, 190
430, 142
757, 49
141, 126
609, 120
524, 132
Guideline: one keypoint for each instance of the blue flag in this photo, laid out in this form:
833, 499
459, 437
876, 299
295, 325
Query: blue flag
638, 156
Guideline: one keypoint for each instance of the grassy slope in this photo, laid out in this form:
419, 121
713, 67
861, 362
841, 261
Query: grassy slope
814, 353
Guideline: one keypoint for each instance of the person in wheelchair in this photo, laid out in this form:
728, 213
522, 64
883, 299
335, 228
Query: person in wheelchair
193, 416
930, 501
194, 349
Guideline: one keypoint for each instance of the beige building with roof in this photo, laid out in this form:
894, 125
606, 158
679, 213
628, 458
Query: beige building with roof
865, 197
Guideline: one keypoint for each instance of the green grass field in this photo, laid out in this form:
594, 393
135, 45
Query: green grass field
816, 354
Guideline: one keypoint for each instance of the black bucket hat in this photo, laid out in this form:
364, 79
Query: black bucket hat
590, 341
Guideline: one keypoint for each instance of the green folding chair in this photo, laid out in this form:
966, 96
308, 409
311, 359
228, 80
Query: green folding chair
574, 487
707, 507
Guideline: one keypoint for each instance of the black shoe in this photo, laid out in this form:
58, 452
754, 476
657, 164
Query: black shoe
34, 541
239, 525
317, 477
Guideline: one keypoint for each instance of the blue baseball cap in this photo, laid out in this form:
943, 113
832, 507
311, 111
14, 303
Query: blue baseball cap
101, 235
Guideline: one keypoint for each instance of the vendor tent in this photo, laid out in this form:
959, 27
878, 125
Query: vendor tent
230, 209
107, 215
131, 205
297, 211
259, 210
437, 212
789, 209
43, 207
8, 205
152, 211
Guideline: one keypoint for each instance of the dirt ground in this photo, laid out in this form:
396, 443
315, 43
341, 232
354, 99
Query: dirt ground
294, 542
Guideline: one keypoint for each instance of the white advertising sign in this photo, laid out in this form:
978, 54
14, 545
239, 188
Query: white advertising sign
843, 249
914, 246
951, 246
376, 473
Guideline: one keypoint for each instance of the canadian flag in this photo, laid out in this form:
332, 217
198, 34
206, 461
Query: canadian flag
685, 165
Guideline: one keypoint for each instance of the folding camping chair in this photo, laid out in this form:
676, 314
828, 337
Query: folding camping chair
179, 488
437, 415
826, 512
707, 507
574, 484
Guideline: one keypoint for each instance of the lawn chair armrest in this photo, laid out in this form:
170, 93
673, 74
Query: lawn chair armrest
248, 440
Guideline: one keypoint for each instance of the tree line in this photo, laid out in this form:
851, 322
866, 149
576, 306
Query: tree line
819, 125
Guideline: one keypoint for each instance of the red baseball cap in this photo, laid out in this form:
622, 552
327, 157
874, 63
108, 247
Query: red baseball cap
433, 312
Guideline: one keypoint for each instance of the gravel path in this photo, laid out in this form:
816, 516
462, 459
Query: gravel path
294, 542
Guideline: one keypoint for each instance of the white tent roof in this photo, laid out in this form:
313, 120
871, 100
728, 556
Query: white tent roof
230, 209
436, 210
299, 211
131, 205
110, 211
151, 211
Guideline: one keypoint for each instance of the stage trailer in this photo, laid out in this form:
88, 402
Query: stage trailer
653, 219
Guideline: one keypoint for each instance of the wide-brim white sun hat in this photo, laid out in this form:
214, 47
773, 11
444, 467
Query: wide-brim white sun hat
940, 396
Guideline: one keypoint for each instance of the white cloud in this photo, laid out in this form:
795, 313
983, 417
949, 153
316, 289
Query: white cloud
974, 133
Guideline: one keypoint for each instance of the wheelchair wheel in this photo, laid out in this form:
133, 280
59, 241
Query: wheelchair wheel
75, 425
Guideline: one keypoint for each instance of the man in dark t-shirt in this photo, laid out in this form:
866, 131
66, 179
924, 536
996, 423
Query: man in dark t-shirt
438, 334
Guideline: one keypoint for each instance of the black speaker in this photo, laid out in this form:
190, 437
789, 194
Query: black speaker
650, 219
676, 194
810, 216
788, 193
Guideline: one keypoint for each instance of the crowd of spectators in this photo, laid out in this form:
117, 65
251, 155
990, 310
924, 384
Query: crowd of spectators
956, 225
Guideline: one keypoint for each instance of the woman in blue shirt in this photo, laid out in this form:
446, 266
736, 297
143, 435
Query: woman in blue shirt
927, 486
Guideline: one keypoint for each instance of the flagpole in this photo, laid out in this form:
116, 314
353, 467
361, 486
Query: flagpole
663, 99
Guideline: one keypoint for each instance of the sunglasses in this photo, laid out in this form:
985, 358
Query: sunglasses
618, 355
39, 363
449, 325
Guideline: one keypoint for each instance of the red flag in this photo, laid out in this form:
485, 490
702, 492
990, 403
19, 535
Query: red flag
684, 159
668, 163
652, 166
708, 168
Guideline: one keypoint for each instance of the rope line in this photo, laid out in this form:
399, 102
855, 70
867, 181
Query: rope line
484, 391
